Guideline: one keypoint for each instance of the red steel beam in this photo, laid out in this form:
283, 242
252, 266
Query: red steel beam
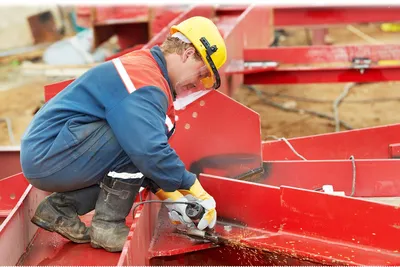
303, 15
372, 178
234, 29
323, 75
367, 143
309, 225
322, 54
318, 16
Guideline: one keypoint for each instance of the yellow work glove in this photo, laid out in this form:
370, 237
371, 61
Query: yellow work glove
198, 194
177, 211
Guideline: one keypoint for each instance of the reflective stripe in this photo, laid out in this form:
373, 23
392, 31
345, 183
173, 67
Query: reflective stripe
125, 175
130, 87
124, 75
169, 123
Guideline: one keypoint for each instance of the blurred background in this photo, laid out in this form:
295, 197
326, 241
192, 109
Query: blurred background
40, 45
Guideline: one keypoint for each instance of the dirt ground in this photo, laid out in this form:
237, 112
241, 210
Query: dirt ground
21, 96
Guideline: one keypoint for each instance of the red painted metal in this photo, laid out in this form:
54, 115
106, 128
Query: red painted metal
10, 163
11, 190
322, 54
367, 143
16, 228
87, 15
238, 37
394, 150
214, 153
329, 15
35, 246
288, 232
231, 9
145, 21
323, 75
372, 178
135, 251
51, 90
283, 223
301, 15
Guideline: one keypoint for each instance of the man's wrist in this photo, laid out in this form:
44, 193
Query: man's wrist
188, 180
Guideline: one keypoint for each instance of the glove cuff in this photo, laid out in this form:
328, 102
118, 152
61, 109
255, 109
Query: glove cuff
162, 195
196, 190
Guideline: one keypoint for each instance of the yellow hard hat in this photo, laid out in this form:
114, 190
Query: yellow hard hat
206, 38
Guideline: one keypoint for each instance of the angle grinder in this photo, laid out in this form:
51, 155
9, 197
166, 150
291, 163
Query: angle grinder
194, 211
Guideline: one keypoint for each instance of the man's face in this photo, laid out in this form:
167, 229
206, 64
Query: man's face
191, 73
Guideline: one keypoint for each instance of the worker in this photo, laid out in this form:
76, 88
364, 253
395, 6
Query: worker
103, 137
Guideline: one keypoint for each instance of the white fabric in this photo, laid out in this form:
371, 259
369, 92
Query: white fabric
125, 175
169, 123
181, 37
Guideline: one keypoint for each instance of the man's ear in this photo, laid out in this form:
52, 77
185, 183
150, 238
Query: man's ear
188, 53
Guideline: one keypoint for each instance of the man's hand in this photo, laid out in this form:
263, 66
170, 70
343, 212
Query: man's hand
198, 194
177, 211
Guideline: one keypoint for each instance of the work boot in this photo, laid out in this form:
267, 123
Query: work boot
108, 229
59, 212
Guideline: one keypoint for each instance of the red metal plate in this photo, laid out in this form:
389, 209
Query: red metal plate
11, 190
9, 160
341, 219
52, 249
322, 54
283, 224
324, 15
235, 30
367, 143
373, 178
311, 223
17, 228
218, 135
323, 75
39, 247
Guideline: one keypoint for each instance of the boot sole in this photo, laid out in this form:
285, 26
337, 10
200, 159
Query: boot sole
46, 226
97, 245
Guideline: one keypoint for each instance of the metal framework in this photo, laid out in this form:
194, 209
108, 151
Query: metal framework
345, 58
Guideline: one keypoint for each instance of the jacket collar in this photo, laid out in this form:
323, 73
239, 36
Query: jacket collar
162, 63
